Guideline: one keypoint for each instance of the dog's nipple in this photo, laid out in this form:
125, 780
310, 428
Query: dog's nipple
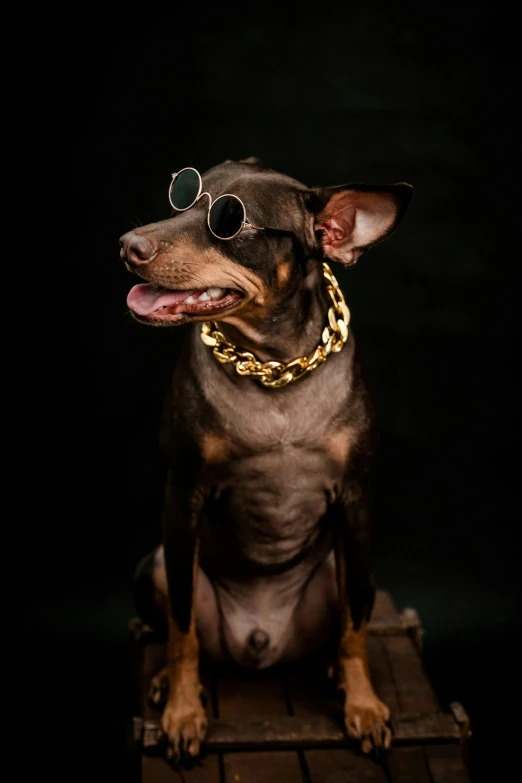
258, 640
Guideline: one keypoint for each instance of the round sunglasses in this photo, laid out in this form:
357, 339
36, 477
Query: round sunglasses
226, 216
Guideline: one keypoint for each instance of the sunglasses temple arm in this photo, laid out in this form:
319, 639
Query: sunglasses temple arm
246, 224
281, 231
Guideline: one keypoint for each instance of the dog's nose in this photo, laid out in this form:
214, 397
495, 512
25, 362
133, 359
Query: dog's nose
137, 249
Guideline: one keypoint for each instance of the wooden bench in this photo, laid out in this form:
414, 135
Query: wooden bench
284, 725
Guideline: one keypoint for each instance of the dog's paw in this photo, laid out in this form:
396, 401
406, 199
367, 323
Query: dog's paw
159, 690
184, 726
368, 721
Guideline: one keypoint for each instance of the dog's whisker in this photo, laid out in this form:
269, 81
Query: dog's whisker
135, 222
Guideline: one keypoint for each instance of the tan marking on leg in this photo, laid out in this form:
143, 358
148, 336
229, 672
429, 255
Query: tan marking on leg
184, 719
338, 444
214, 449
365, 715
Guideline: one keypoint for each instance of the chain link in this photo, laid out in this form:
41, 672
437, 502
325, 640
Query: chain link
274, 375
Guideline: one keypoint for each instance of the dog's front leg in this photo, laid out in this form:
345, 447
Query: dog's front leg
184, 720
366, 717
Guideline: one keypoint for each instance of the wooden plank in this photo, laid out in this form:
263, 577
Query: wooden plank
384, 607
386, 620
340, 766
415, 694
242, 694
387, 627
407, 765
276, 766
280, 731
408, 621
283, 731
311, 693
416, 729
156, 770
462, 718
411, 622
321, 715
446, 764
245, 702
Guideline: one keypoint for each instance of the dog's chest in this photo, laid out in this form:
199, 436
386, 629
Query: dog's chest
273, 490
275, 461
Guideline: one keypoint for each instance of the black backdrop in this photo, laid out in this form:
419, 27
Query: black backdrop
355, 95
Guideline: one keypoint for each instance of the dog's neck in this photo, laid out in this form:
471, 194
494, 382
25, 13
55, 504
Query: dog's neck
288, 331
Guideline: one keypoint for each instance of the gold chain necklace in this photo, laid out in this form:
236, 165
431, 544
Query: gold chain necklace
275, 374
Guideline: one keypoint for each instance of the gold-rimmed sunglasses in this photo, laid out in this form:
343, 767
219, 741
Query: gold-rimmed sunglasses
226, 216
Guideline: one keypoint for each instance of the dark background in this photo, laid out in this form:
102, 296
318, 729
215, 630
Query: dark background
359, 95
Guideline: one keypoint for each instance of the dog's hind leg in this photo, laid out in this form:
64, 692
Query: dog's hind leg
150, 591
151, 602
152, 605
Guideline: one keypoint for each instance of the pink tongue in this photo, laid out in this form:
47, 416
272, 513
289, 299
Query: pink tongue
146, 298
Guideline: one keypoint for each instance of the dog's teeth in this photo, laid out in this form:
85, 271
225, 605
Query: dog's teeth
190, 300
204, 297
216, 293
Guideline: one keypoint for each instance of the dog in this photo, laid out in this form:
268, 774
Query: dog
267, 433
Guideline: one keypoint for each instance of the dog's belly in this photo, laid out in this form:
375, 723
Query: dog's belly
264, 538
283, 617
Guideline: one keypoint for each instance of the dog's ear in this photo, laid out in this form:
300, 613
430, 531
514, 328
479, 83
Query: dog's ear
353, 218
252, 160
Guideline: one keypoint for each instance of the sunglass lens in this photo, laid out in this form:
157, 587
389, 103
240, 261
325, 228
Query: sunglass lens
185, 189
226, 217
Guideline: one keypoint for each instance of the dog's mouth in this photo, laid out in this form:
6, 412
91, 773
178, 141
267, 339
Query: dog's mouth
152, 303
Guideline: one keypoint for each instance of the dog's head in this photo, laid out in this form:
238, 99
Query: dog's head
193, 275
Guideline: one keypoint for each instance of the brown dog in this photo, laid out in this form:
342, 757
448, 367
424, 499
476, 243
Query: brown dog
265, 553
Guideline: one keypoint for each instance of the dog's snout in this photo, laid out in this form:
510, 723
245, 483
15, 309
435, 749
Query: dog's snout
137, 249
